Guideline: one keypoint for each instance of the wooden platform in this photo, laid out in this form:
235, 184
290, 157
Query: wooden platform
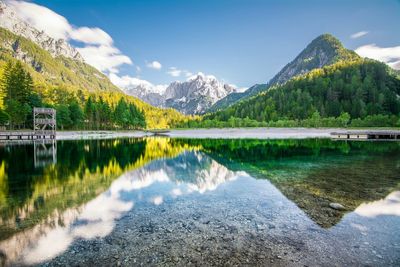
367, 135
26, 135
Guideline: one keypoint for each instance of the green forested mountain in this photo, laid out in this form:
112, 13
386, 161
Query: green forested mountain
78, 91
322, 51
59, 71
357, 89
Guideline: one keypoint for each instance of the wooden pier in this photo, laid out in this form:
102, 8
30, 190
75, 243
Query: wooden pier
389, 135
26, 135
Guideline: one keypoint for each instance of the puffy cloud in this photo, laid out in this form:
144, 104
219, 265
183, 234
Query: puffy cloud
204, 76
389, 55
91, 36
188, 74
104, 58
98, 49
358, 34
127, 82
174, 72
42, 19
390, 205
154, 65
238, 89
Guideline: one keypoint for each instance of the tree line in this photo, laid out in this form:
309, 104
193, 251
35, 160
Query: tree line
75, 110
362, 90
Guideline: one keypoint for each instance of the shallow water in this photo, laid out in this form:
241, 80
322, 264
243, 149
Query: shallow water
161, 201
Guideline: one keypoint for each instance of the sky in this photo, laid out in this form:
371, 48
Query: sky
242, 42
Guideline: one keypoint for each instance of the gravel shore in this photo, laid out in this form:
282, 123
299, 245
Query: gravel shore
257, 133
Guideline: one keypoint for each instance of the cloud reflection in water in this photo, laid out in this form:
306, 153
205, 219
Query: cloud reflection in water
97, 218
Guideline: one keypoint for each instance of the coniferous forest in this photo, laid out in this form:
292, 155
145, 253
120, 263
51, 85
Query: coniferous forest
360, 93
74, 111
347, 92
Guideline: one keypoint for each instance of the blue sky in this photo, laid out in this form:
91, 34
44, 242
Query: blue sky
242, 42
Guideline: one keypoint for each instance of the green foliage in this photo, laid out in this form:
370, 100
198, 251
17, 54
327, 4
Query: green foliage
16, 87
76, 114
61, 80
63, 117
4, 117
330, 96
56, 71
310, 58
20, 98
377, 121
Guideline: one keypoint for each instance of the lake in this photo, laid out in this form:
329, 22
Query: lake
162, 201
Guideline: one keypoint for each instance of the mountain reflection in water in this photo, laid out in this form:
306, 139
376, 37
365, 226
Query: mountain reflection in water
95, 183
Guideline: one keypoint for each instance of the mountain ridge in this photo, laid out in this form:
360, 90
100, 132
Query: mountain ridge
193, 96
57, 70
56, 47
321, 51
364, 91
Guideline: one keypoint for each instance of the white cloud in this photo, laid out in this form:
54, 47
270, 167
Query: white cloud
126, 82
154, 65
241, 89
205, 76
174, 72
389, 55
238, 89
91, 36
98, 49
104, 58
358, 34
390, 205
42, 19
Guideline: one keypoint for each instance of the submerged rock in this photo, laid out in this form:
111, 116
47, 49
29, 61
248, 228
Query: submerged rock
337, 206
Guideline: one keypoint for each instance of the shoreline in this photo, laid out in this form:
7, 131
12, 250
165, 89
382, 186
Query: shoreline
212, 133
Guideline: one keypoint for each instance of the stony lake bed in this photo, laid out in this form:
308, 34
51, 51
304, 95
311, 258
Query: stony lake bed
159, 201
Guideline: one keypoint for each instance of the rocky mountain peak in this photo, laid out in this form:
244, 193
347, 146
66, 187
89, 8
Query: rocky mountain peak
10, 20
193, 96
197, 94
322, 51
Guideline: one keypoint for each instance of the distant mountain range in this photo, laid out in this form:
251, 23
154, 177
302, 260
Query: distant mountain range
203, 94
194, 96
58, 64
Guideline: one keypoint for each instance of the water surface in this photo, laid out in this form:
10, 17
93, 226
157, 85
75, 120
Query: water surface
161, 201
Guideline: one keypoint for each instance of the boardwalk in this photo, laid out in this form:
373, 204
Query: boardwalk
44, 127
26, 135
367, 135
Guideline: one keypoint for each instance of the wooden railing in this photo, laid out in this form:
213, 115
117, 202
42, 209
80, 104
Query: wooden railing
44, 110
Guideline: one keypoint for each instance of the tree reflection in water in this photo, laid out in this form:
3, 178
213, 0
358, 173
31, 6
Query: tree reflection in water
79, 196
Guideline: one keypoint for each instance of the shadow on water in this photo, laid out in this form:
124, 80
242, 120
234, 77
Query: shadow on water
45, 187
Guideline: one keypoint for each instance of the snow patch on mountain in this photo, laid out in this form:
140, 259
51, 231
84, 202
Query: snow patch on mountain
10, 20
193, 96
